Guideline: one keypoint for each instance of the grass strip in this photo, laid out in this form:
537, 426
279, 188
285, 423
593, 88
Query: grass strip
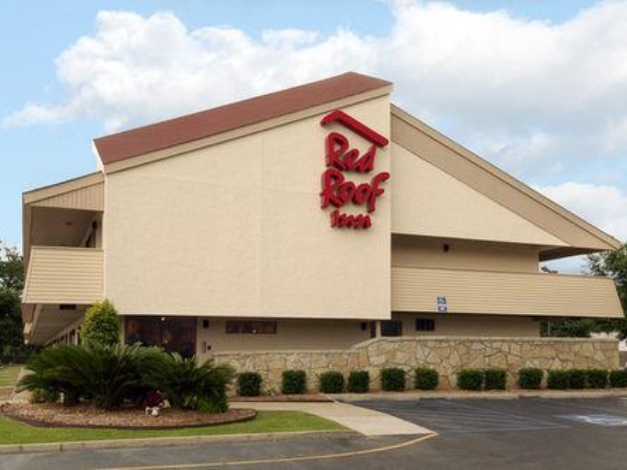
8, 375
13, 432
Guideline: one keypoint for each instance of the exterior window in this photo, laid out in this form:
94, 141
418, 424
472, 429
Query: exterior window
251, 327
174, 334
391, 328
425, 324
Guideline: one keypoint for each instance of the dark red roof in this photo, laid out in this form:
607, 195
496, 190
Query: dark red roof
214, 121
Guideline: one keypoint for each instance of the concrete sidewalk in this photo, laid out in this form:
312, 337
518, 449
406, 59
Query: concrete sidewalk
362, 420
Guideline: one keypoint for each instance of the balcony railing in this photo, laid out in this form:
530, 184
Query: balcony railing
63, 275
503, 293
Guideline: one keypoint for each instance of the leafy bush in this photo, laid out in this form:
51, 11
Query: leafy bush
618, 378
495, 379
530, 378
249, 384
189, 385
358, 381
331, 382
42, 395
392, 379
577, 379
105, 374
426, 378
470, 379
101, 325
559, 379
293, 382
597, 378
49, 371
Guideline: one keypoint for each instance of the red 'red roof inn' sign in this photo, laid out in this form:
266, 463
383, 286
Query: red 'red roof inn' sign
340, 158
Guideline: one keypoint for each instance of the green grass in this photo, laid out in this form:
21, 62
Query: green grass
13, 432
8, 375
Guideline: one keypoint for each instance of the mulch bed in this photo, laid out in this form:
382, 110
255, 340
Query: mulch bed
306, 397
85, 416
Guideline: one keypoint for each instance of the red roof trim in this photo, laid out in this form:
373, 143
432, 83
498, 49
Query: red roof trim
162, 135
355, 126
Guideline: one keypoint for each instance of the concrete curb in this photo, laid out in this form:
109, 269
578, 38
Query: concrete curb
166, 441
463, 395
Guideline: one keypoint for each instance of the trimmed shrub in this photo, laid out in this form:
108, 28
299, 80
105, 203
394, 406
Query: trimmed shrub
530, 378
618, 378
293, 382
597, 378
495, 379
577, 379
249, 384
392, 379
358, 381
426, 378
331, 382
470, 379
558, 379
101, 326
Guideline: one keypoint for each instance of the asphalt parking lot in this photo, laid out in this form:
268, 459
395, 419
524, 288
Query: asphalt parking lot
512, 434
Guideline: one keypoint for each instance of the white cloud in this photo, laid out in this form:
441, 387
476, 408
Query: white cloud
602, 205
524, 92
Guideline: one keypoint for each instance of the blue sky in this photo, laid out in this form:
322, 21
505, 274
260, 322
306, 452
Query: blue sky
536, 87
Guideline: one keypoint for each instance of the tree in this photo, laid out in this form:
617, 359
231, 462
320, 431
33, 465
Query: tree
11, 269
101, 325
612, 264
11, 285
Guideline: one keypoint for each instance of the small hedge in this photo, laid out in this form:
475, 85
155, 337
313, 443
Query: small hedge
331, 382
294, 382
470, 379
358, 381
426, 378
596, 378
495, 379
578, 379
618, 378
249, 384
392, 379
530, 378
559, 379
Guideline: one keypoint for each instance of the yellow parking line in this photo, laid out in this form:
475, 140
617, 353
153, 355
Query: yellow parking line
282, 460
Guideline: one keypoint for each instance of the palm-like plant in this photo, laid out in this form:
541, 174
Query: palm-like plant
189, 385
108, 374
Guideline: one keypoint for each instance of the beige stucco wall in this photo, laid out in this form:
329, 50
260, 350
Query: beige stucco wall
471, 325
427, 201
447, 355
236, 229
429, 252
291, 334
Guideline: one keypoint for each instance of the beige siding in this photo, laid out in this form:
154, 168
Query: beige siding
89, 198
468, 169
291, 335
61, 275
430, 202
504, 293
427, 252
471, 325
236, 229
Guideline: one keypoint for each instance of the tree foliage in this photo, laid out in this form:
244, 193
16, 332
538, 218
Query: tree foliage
102, 325
11, 285
11, 269
610, 264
